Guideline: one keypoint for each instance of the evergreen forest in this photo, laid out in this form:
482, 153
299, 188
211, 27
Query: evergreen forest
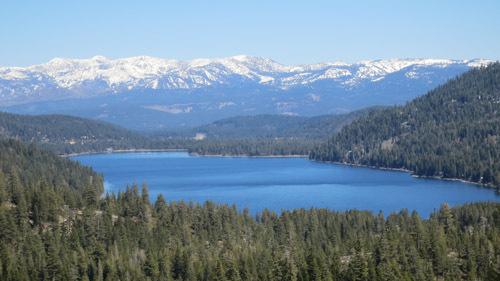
54, 225
67, 134
452, 132
267, 126
260, 135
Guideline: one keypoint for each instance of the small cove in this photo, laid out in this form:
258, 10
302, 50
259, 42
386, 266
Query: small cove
279, 183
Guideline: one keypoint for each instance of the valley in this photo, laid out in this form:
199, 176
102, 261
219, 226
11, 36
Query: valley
250, 140
448, 133
297, 219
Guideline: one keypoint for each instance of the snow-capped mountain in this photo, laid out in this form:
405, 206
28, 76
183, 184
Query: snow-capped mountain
248, 84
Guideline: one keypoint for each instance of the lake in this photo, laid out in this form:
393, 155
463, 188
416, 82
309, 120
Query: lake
279, 183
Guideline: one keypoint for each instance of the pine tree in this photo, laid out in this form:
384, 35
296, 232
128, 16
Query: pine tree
54, 263
151, 266
145, 194
90, 196
3, 188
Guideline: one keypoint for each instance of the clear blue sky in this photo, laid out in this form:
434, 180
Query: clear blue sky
290, 32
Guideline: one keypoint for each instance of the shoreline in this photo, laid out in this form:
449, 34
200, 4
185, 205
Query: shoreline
122, 151
410, 172
249, 156
180, 150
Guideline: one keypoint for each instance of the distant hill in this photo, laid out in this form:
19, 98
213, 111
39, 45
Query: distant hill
68, 134
451, 132
247, 135
271, 126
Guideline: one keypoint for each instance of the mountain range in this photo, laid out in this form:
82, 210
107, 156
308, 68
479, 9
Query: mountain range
148, 93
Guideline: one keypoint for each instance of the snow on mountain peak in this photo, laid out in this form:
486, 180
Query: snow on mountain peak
241, 57
99, 58
157, 73
478, 62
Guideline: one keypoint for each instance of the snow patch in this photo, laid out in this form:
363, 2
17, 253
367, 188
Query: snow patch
101, 75
173, 109
314, 97
224, 104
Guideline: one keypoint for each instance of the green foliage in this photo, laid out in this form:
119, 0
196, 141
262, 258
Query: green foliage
252, 147
45, 236
23, 165
216, 242
492, 274
451, 132
67, 134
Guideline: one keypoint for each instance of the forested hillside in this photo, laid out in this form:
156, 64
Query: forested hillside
53, 226
271, 126
451, 132
68, 134
25, 165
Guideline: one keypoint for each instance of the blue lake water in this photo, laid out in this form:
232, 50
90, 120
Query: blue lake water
279, 183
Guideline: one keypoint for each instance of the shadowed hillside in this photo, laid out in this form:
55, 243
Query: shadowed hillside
451, 132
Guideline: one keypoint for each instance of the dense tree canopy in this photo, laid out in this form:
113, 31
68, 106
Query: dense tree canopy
68, 134
51, 233
451, 132
251, 147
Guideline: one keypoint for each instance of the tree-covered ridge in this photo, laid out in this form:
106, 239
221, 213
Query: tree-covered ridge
68, 134
27, 165
260, 135
271, 126
251, 147
451, 132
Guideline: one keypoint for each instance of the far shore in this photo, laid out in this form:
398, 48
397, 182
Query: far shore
249, 156
182, 150
122, 151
